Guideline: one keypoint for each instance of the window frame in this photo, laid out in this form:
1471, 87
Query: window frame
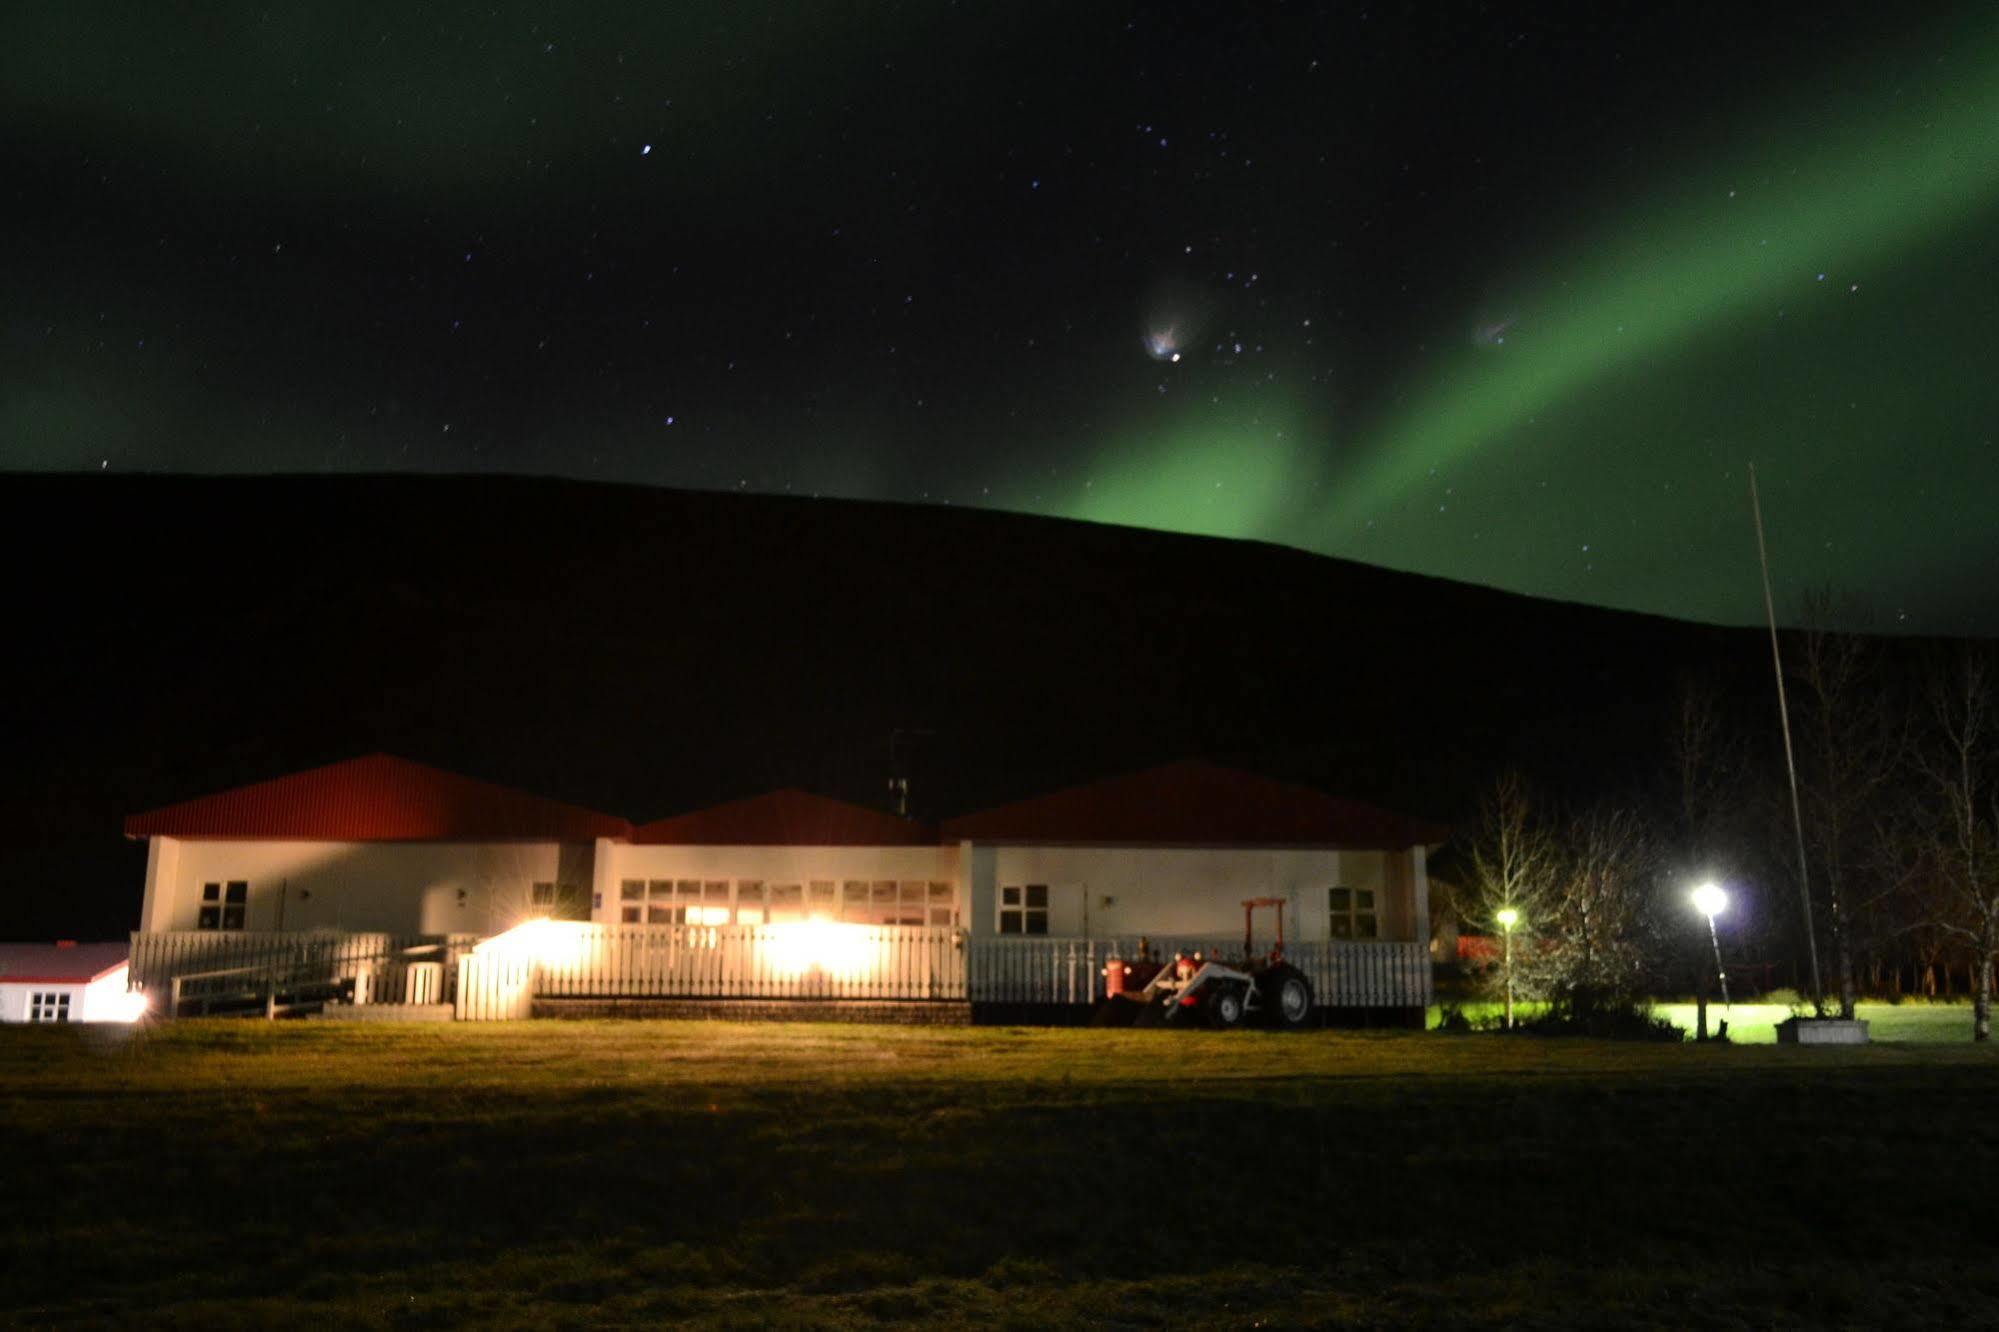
49, 1005
224, 906
1017, 905
1343, 922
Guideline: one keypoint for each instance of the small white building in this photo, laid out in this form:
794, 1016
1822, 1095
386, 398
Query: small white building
378, 863
66, 982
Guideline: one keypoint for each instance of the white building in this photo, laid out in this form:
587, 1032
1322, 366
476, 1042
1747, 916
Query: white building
66, 982
1015, 905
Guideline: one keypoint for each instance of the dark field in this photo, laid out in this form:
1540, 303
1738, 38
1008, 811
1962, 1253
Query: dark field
571, 1173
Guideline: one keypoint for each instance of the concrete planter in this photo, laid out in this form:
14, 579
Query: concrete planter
1822, 1031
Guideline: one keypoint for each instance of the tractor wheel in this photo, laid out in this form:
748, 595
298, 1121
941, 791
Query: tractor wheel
1289, 998
1225, 1007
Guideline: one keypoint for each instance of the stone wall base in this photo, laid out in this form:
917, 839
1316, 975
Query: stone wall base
1822, 1031
904, 1013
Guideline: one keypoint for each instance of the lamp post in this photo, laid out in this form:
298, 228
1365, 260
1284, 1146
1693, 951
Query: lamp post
1508, 918
1711, 901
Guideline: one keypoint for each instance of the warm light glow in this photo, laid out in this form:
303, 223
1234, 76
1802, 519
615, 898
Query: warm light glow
841, 951
550, 942
1507, 918
709, 915
126, 1006
1710, 900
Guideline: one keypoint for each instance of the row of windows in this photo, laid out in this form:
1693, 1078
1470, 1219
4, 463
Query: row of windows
755, 902
50, 1007
1023, 908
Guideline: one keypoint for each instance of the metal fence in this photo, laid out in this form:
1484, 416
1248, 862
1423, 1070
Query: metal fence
1344, 973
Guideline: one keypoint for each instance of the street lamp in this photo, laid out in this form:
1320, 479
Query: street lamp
1508, 918
1711, 901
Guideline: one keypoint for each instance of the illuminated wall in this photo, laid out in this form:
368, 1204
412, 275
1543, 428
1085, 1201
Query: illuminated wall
397, 887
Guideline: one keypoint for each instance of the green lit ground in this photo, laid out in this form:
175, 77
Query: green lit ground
1756, 1024
581, 1173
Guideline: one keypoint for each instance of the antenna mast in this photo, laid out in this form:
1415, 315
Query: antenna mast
1790, 762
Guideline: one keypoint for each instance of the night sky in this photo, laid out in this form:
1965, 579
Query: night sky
1506, 293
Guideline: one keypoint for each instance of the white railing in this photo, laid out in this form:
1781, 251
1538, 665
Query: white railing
593, 961
494, 987
899, 962
1344, 974
1366, 973
1027, 970
159, 956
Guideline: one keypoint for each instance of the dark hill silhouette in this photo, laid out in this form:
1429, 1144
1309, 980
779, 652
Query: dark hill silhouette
645, 651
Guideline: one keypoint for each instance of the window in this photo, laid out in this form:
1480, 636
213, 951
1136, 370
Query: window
714, 908
661, 904
1024, 910
787, 902
631, 898
223, 905
541, 895
1353, 915
750, 908
854, 902
943, 905
50, 1007
823, 899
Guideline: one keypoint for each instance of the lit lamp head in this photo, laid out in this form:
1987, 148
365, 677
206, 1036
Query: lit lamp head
1507, 918
1710, 900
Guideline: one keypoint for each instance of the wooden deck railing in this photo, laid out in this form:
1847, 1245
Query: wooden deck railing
593, 961
584, 960
207, 957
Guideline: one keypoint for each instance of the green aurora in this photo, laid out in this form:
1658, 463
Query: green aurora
1799, 302
867, 252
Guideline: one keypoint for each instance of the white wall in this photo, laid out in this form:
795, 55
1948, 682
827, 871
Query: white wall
482, 888
1114, 891
774, 864
396, 887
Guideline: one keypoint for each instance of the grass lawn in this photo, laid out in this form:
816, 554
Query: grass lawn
575, 1173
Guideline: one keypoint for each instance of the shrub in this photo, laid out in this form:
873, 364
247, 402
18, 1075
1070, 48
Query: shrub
1624, 1022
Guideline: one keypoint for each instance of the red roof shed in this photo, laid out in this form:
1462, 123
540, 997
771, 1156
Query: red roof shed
379, 798
65, 963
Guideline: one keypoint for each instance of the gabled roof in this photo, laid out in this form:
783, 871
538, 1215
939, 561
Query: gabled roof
379, 798
786, 818
65, 963
1194, 804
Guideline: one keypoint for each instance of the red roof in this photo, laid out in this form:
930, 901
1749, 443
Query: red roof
379, 798
1195, 804
786, 818
65, 963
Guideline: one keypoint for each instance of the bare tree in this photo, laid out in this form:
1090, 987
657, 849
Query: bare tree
1953, 856
1847, 747
1513, 855
1596, 938
1707, 773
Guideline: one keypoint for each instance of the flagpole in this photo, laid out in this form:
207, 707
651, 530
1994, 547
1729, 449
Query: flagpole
1790, 761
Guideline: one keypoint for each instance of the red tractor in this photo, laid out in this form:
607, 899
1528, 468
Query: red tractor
1145, 991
